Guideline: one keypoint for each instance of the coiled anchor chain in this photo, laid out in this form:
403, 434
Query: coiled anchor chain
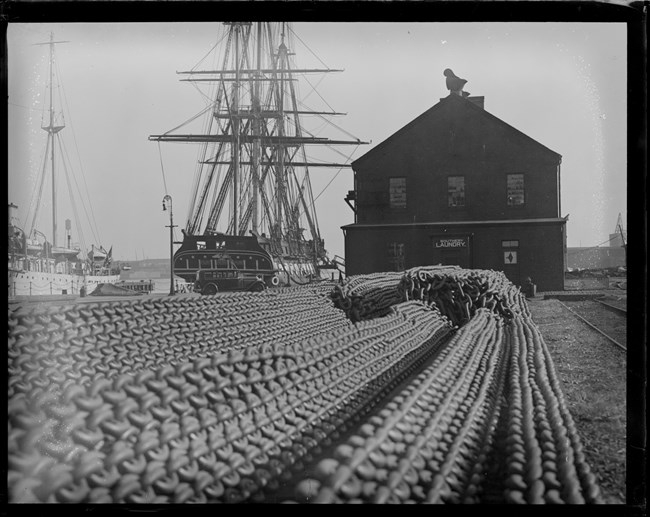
75, 344
278, 396
455, 292
368, 296
459, 293
544, 454
223, 428
425, 444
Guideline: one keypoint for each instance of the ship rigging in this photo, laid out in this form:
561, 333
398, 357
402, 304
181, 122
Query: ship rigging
253, 171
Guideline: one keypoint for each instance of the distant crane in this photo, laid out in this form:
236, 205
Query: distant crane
619, 229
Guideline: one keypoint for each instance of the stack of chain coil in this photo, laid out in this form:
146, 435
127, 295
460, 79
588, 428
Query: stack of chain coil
428, 443
277, 396
459, 293
64, 344
367, 296
371, 296
545, 462
226, 427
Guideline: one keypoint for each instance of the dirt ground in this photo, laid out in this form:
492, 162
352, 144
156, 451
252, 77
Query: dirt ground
592, 371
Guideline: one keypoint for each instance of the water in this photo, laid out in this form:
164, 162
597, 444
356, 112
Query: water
161, 286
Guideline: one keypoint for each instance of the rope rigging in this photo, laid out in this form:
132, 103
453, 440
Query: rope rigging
92, 220
252, 171
53, 122
40, 189
74, 205
162, 168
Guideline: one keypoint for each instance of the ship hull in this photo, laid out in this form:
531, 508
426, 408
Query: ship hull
247, 254
35, 283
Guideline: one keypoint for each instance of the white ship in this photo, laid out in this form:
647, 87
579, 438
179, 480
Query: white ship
38, 266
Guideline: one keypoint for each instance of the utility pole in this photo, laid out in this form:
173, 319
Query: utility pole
167, 200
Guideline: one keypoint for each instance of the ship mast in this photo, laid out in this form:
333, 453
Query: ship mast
52, 129
254, 170
257, 131
235, 132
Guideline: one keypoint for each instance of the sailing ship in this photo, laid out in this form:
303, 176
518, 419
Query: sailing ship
252, 190
38, 266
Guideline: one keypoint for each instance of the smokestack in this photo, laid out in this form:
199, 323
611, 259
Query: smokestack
11, 212
68, 227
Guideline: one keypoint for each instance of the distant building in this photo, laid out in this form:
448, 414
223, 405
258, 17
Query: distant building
458, 185
611, 256
595, 258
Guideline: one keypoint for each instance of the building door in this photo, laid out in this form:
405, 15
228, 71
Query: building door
510, 259
452, 250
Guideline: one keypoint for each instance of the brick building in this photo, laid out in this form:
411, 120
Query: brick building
458, 185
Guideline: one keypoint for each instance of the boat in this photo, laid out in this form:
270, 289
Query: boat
252, 191
39, 265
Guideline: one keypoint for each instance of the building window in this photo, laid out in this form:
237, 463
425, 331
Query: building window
456, 191
515, 186
397, 192
396, 256
510, 244
200, 245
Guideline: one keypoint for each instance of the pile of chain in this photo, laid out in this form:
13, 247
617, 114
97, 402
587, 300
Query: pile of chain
76, 344
277, 396
545, 462
370, 296
484, 423
367, 296
429, 443
229, 426
459, 293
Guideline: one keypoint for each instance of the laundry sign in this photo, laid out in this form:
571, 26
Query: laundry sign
450, 243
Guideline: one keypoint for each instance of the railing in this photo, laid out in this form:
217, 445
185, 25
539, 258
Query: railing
33, 288
184, 287
140, 287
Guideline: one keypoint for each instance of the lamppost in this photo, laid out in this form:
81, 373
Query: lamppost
167, 201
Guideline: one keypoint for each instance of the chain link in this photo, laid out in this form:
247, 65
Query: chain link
235, 397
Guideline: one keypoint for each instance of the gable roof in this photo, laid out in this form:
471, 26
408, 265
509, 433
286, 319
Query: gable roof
451, 98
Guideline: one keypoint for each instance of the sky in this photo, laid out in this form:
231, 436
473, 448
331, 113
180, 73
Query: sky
563, 84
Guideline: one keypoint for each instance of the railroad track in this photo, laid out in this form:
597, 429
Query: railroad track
600, 331
618, 310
